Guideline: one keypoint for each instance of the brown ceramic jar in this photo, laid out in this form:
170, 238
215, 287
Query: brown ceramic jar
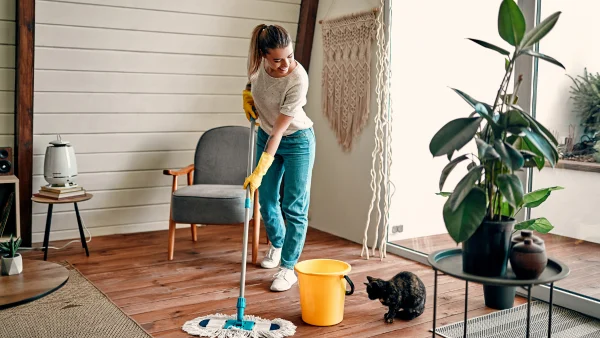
527, 234
528, 260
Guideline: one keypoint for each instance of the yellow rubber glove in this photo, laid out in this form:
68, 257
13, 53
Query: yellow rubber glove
255, 179
248, 104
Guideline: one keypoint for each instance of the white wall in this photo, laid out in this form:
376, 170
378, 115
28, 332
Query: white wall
430, 54
575, 45
7, 72
573, 210
341, 192
132, 84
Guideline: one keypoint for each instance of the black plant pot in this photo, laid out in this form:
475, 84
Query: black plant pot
486, 254
499, 297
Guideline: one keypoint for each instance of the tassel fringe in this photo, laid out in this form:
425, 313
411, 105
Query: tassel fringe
192, 327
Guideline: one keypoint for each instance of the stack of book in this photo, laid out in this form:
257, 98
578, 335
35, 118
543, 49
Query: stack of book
57, 192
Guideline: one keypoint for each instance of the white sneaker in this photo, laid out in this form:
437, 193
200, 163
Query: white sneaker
272, 258
284, 280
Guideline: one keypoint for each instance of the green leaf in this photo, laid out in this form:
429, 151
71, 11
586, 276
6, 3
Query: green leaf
509, 155
449, 167
541, 225
533, 156
471, 165
512, 139
486, 152
543, 57
542, 145
506, 64
443, 193
511, 188
511, 22
540, 129
486, 113
454, 135
507, 209
471, 100
490, 46
516, 157
537, 197
539, 31
450, 155
463, 221
515, 121
464, 187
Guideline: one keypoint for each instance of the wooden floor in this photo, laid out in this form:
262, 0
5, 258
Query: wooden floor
204, 278
582, 257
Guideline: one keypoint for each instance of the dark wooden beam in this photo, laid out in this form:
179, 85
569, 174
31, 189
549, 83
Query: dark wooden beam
25, 25
306, 31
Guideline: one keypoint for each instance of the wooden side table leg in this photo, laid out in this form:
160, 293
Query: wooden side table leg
83, 242
47, 232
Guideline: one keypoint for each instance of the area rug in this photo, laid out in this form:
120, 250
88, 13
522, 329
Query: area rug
78, 309
511, 323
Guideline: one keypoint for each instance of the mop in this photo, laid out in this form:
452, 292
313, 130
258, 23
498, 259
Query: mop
240, 325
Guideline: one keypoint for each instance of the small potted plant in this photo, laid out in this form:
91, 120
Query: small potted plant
480, 211
11, 261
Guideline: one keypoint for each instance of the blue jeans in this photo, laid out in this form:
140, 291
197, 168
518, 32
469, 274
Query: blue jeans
295, 156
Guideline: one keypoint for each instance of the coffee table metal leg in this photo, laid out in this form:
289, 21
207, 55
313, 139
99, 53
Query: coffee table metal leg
83, 242
466, 309
550, 311
528, 309
434, 299
47, 231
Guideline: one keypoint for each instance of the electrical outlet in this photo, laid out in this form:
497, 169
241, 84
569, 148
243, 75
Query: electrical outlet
397, 228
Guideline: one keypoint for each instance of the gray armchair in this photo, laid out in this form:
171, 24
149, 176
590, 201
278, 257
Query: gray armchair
214, 193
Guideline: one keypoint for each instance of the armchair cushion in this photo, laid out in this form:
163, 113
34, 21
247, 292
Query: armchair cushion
209, 204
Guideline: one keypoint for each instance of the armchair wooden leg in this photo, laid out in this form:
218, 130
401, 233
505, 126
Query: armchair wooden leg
171, 238
256, 233
194, 232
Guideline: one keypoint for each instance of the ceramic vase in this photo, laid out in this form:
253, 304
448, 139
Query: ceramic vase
527, 234
528, 260
12, 266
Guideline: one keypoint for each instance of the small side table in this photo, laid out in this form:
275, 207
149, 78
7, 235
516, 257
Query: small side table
51, 202
449, 261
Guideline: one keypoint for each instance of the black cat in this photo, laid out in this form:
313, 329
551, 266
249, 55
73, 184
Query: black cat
404, 295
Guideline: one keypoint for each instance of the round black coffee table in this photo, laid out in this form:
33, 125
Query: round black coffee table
449, 261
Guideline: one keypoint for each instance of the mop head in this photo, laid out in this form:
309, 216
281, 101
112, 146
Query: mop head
262, 327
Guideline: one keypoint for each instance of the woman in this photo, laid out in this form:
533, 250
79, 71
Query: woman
286, 143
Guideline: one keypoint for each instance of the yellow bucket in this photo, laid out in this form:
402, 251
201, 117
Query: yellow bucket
322, 284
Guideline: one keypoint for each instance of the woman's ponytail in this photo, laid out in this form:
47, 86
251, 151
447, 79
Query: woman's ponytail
264, 38
254, 54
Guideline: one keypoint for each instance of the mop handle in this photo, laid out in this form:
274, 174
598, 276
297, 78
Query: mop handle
248, 205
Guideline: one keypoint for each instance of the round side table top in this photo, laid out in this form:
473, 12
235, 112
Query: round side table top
38, 279
449, 261
75, 199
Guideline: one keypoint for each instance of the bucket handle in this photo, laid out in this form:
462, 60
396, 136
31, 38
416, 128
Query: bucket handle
348, 293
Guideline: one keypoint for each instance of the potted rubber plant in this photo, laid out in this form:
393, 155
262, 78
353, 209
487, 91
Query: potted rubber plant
11, 261
480, 211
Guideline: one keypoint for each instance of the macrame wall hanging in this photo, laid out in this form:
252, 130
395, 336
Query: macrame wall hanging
346, 76
381, 164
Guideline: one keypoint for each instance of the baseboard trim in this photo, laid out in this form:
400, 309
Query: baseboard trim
38, 237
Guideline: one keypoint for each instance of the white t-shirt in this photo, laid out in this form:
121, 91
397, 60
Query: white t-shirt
282, 95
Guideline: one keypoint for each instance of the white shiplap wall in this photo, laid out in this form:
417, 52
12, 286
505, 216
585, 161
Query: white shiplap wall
132, 84
7, 72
